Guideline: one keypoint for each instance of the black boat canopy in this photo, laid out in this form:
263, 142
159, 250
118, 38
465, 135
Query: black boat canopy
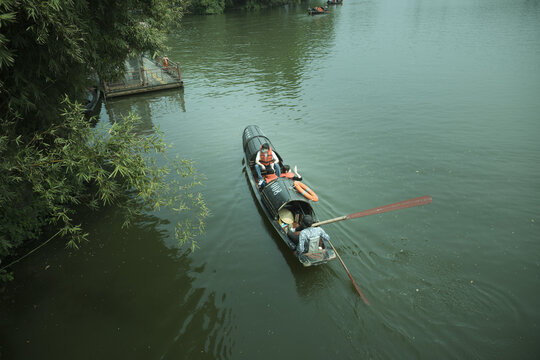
252, 139
278, 194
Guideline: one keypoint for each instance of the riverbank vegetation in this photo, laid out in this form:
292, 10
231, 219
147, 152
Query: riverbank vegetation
208, 7
53, 161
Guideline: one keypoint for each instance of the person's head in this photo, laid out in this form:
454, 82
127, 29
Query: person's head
307, 221
265, 147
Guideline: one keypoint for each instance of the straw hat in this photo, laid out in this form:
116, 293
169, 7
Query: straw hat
286, 216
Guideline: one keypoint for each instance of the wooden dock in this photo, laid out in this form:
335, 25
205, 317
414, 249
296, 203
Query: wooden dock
143, 75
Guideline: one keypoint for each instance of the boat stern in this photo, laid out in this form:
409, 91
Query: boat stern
317, 258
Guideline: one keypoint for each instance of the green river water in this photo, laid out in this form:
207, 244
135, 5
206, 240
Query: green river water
376, 102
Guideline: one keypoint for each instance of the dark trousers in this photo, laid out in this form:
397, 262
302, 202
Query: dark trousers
293, 236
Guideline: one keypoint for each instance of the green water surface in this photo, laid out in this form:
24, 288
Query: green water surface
376, 102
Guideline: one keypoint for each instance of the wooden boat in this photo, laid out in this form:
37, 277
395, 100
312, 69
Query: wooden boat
279, 200
317, 10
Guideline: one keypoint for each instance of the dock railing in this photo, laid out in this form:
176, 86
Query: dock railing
172, 68
150, 76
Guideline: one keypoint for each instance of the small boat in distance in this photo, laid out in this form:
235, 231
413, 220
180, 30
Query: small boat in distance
318, 10
335, 2
281, 202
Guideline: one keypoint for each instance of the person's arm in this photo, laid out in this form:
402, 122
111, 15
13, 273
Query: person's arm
275, 161
258, 160
325, 235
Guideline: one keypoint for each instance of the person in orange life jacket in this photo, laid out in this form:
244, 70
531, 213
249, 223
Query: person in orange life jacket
266, 157
287, 173
166, 62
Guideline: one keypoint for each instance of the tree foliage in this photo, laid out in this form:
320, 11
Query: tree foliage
53, 162
51, 48
70, 163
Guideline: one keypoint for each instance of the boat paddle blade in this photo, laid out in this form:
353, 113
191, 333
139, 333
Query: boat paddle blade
423, 200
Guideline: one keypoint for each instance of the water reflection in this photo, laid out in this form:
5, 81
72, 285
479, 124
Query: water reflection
248, 50
147, 106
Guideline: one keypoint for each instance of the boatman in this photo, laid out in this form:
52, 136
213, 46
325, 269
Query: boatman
265, 157
301, 235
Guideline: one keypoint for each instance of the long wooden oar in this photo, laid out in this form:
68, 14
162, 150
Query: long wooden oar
350, 276
423, 200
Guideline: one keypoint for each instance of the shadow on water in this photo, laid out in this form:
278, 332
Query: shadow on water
124, 294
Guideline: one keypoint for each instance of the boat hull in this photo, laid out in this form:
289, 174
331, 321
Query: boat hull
93, 102
316, 12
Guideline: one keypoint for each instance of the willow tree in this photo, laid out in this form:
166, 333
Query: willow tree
52, 162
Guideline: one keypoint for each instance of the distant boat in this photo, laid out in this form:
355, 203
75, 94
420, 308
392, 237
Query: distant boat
335, 2
317, 10
281, 203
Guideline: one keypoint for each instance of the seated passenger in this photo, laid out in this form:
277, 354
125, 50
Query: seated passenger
265, 157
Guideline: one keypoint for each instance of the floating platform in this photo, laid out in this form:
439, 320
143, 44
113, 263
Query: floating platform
144, 75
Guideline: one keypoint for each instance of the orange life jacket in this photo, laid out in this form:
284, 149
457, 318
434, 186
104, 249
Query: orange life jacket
268, 158
288, 174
